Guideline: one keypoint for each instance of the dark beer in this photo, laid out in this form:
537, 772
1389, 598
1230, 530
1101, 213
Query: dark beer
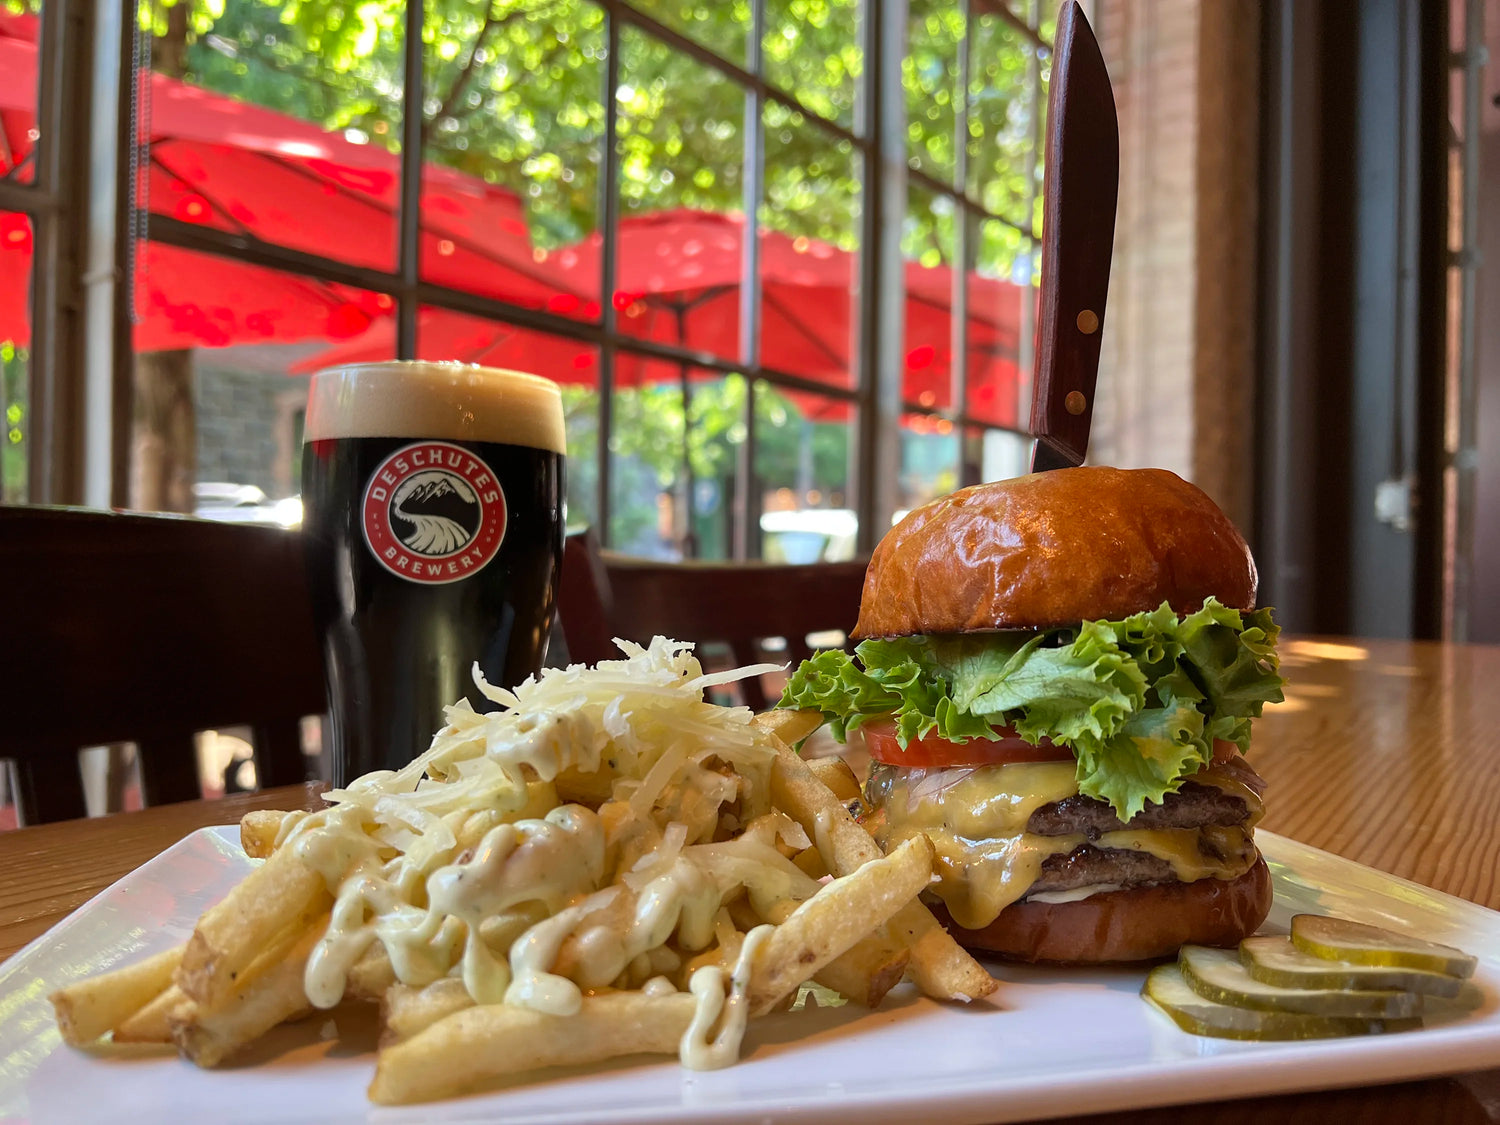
432, 500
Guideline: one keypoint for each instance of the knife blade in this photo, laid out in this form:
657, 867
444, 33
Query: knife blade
1080, 190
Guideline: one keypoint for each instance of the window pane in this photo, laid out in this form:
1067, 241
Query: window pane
809, 250
720, 25
681, 234
646, 451
20, 31
284, 130
15, 345
929, 460
927, 245
929, 73
1001, 303
991, 455
222, 351
674, 486
716, 435
1002, 127
512, 157
446, 335
803, 444
812, 50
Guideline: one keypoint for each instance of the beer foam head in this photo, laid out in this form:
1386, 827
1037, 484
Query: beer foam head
457, 401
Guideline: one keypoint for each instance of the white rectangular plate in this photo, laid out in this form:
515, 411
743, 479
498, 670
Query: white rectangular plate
1057, 1042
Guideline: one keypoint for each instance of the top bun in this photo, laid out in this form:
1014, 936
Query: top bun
1053, 549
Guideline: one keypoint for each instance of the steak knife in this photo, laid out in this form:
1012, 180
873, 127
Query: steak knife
1080, 190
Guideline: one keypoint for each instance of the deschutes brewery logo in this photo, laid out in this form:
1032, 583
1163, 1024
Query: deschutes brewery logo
433, 512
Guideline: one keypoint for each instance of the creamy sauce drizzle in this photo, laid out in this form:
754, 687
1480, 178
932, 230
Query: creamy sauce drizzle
566, 844
702, 1048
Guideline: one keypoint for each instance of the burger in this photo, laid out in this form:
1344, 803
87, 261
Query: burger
1055, 679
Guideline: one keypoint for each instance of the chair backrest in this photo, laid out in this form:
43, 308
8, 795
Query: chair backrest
147, 629
741, 605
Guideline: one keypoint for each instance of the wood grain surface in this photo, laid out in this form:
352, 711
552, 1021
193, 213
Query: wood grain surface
1385, 752
53, 868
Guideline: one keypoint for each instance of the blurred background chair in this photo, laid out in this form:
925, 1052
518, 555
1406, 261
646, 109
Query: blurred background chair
149, 629
757, 611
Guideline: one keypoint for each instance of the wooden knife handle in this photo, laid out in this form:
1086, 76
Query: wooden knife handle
1080, 193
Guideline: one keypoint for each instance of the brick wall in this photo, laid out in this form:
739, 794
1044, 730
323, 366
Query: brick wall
1175, 389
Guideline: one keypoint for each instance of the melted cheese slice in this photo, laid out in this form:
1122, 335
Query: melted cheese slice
986, 860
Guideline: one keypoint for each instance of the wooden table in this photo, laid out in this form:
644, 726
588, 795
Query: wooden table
1384, 752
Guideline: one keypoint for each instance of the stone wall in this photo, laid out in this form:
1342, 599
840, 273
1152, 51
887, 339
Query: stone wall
247, 411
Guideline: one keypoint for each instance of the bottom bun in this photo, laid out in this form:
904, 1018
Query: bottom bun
1135, 924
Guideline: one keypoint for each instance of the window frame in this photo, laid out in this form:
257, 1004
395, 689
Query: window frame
876, 137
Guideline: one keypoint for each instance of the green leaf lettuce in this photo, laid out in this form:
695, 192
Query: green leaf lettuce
1139, 701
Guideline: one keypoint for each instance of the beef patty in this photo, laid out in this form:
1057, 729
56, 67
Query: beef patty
1192, 806
1089, 866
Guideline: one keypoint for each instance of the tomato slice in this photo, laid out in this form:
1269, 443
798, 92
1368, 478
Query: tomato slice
933, 752
1005, 748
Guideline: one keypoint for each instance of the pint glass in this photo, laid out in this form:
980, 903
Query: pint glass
433, 518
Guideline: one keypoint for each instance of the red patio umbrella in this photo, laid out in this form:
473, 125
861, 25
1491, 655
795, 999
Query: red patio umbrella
446, 335
678, 283
227, 164
679, 276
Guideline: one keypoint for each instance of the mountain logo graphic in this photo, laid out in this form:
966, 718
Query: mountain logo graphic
433, 513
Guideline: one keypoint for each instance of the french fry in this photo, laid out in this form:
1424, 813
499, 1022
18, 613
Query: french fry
836, 774
271, 908
480, 1044
151, 1024
791, 726
87, 1009
863, 973
867, 970
371, 975
941, 968
258, 831
406, 1011
830, 922
252, 1008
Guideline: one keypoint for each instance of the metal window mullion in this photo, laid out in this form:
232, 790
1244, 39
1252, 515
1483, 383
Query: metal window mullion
974, 207
882, 357
108, 288
409, 216
746, 513
56, 380
609, 223
26, 198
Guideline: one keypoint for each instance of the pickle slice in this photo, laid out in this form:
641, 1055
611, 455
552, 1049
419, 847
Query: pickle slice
1165, 989
1218, 974
1275, 960
1336, 939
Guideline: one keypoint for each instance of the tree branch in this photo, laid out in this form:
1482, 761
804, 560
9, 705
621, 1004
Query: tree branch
492, 23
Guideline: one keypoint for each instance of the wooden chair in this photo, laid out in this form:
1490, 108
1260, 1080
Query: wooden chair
148, 629
740, 605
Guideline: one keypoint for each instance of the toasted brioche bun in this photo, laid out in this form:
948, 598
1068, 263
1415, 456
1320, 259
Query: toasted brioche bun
1053, 549
1133, 924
